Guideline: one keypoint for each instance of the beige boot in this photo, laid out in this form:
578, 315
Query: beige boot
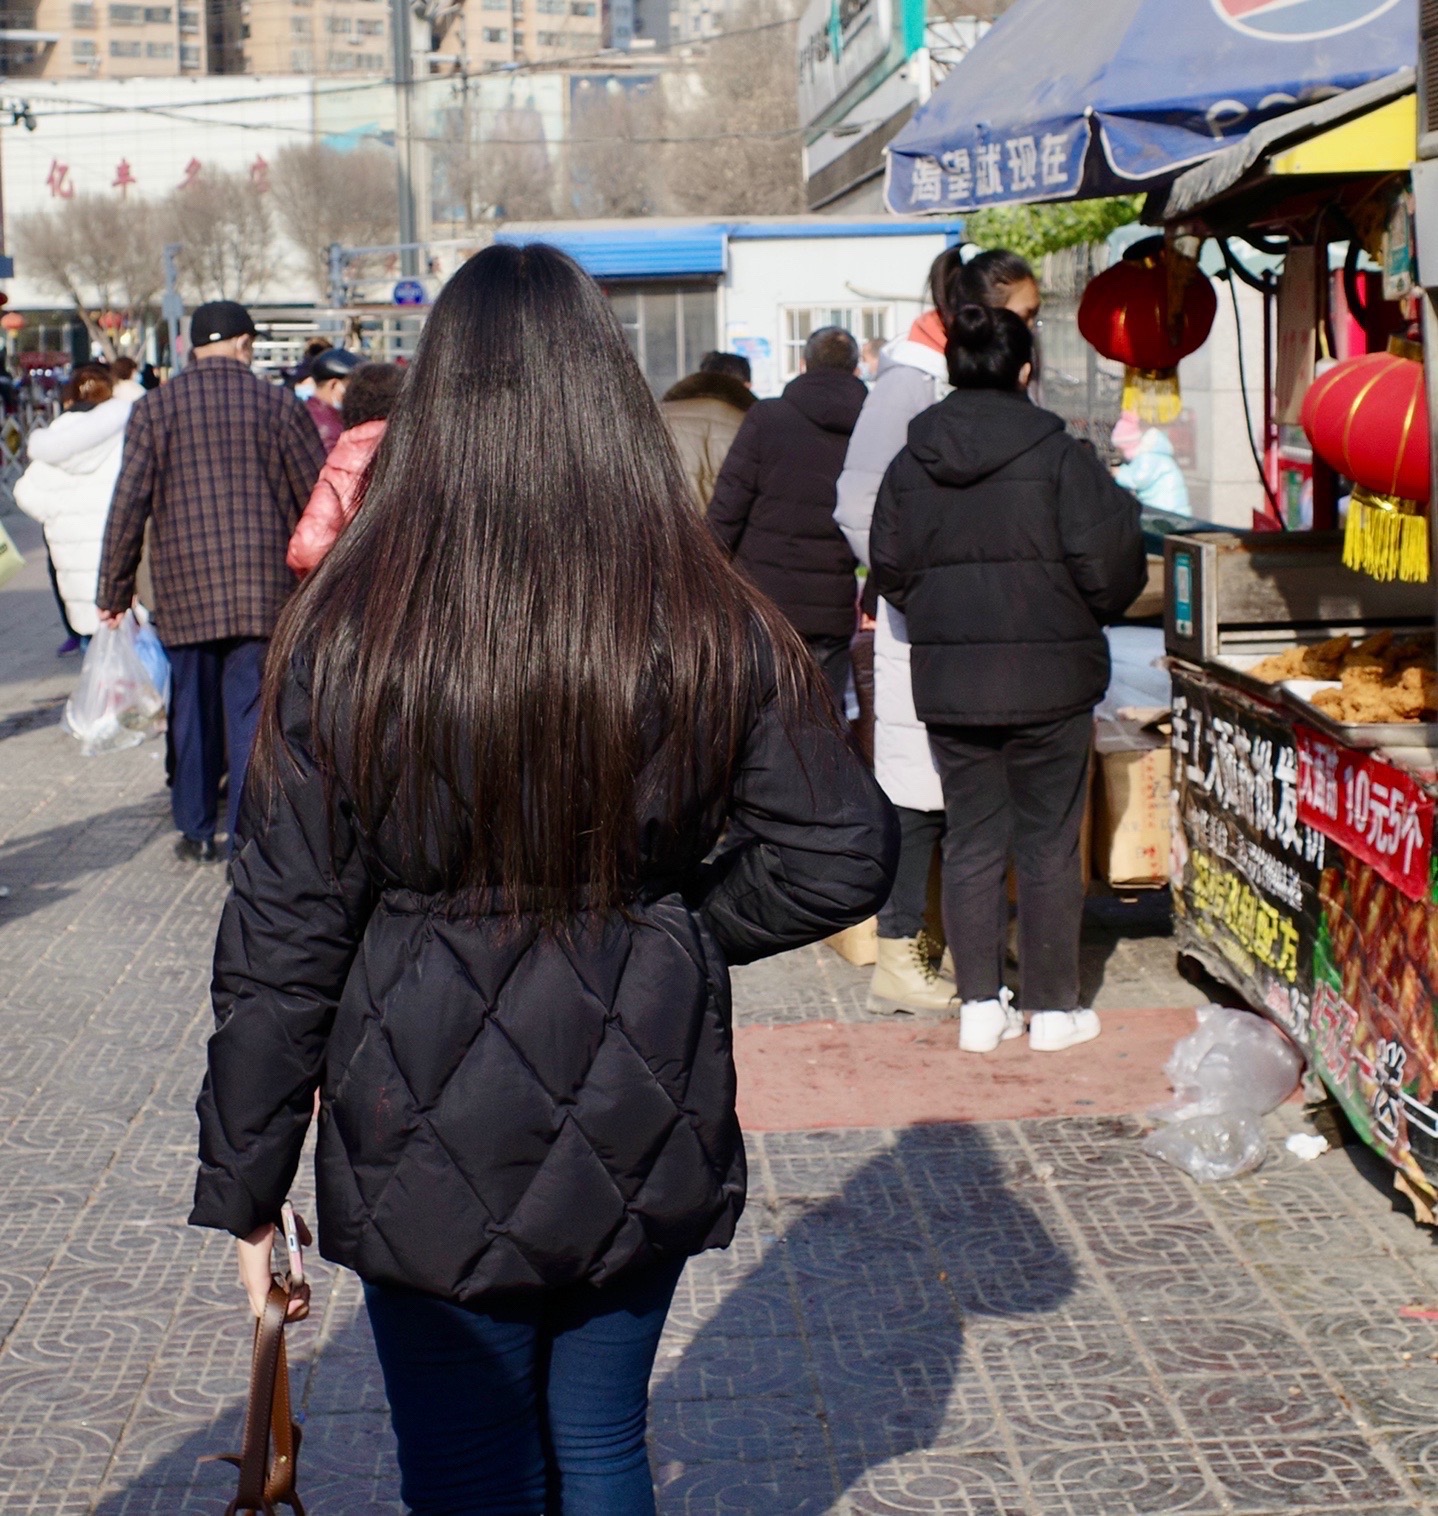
905, 979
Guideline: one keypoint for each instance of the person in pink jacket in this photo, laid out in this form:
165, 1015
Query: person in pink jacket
369, 398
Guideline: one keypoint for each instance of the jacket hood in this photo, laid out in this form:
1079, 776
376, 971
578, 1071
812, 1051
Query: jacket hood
829, 398
904, 352
1154, 441
722, 387
973, 433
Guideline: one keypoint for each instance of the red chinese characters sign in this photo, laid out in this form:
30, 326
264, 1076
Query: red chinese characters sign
1373, 810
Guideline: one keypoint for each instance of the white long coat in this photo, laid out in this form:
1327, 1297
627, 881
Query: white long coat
912, 377
74, 463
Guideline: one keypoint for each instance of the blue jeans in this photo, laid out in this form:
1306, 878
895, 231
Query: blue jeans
535, 1405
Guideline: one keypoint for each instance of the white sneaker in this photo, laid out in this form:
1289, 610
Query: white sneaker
1053, 1031
983, 1024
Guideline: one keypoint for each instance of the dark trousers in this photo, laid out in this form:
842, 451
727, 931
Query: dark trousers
832, 656
1019, 790
919, 833
214, 709
532, 1405
59, 598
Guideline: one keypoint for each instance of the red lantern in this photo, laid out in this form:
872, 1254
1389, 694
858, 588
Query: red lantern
1367, 417
111, 321
1125, 314
12, 321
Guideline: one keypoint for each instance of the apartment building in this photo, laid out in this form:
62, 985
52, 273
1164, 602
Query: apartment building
301, 36
101, 39
485, 33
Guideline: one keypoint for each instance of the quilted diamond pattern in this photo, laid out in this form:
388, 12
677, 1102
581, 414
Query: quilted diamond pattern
513, 1110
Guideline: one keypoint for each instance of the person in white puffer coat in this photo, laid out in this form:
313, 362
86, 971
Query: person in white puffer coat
74, 463
913, 376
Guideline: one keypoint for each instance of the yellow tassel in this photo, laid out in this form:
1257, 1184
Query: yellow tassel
1152, 394
1386, 538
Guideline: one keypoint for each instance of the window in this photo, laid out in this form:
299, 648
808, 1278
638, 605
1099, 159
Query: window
864, 321
159, 15
495, 34
125, 49
338, 25
159, 49
373, 28
299, 26
339, 63
371, 63
550, 7
190, 55
189, 21
83, 49
127, 15
82, 17
669, 327
302, 60
550, 39
581, 7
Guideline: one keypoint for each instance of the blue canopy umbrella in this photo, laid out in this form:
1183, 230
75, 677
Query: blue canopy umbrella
1075, 98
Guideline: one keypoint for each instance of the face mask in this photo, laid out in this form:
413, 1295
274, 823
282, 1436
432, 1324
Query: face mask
304, 389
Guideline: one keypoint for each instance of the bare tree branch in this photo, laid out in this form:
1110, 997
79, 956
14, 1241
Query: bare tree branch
323, 196
225, 225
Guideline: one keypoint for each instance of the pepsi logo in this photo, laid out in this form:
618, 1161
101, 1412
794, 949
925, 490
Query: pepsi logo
1299, 20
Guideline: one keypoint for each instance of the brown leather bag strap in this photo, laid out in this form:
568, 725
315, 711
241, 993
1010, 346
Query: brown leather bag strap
265, 1480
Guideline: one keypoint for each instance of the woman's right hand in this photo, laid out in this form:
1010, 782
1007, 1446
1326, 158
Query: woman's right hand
257, 1274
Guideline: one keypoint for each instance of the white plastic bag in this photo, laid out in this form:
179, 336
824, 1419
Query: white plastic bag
115, 705
1226, 1075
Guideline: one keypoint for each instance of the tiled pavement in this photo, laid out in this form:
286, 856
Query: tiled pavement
1008, 1317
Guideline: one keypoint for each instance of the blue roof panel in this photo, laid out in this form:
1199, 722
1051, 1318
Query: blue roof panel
646, 252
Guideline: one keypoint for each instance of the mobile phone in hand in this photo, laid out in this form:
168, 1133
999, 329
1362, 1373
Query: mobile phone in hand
292, 1243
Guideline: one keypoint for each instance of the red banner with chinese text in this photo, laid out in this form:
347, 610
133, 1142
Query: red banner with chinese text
1372, 809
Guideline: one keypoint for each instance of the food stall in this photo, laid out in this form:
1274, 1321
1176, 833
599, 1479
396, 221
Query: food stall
1305, 711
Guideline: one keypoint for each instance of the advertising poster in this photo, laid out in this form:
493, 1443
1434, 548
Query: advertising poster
1302, 876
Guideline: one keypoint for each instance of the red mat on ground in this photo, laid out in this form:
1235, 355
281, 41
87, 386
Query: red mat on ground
903, 1073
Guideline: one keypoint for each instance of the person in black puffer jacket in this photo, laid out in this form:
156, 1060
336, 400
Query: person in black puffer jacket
773, 504
1007, 546
478, 906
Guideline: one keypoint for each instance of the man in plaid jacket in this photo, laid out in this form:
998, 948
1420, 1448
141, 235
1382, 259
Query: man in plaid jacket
219, 464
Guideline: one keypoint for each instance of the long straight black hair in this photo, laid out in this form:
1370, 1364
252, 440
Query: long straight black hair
526, 622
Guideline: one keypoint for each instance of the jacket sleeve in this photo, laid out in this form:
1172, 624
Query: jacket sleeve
900, 394
886, 565
812, 844
322, 522
303, 455
737, 487
129, 511
1102, 537
298, 907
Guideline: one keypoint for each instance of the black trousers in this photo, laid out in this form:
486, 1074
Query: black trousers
903, 912
1015, 790
832, 656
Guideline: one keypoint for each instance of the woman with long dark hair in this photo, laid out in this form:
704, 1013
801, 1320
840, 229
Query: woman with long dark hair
1008, 548
505, 723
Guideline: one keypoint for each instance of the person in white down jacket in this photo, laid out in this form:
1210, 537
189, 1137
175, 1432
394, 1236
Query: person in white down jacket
74, 463
912, 377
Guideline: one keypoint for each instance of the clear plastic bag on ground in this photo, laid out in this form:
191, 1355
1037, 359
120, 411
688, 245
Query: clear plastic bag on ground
115, 705
1211, 1147
1226, 1075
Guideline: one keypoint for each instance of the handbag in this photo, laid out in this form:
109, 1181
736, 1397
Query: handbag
270, 1446
10, 560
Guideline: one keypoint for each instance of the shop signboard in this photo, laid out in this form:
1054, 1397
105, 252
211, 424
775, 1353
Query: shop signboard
847, 48
1302, 876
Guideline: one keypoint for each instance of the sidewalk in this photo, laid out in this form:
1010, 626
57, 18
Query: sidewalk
959, 1286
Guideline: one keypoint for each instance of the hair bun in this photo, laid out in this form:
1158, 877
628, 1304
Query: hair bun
972, 326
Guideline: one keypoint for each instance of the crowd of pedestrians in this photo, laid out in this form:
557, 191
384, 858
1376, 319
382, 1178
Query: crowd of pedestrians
543, 689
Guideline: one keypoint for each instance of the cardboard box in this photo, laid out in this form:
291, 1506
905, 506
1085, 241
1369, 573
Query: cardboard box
1131, 842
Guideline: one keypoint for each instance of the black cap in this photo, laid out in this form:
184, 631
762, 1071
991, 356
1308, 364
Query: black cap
334, 363
218, 321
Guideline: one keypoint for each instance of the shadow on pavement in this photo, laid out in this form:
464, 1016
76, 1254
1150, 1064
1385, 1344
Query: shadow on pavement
36, 866
843, 1349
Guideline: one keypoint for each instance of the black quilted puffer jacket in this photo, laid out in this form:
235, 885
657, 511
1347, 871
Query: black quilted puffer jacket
500, 1109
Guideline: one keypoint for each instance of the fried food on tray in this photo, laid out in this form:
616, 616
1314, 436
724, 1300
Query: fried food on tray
1318, 660
1382, 681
